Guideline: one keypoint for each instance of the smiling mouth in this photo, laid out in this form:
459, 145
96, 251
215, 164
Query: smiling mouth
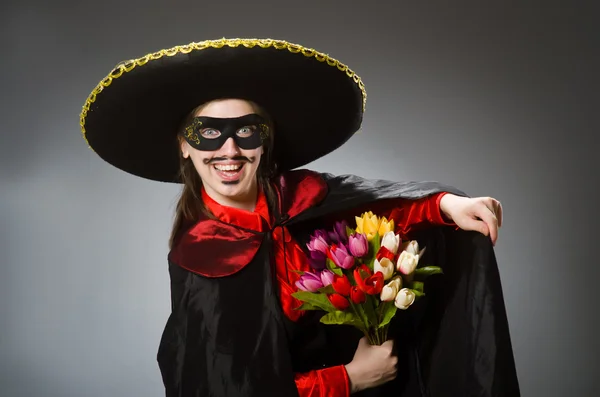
228, 167
229, 172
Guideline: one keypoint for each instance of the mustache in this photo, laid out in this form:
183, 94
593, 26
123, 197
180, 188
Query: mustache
236, 158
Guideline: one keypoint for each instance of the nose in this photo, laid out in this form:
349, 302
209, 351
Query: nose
230, 148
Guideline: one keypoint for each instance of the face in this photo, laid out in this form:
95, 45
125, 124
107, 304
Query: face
227, 153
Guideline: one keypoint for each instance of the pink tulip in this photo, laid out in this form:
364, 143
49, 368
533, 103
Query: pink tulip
309, 282
341, 257
358, 245
327, 277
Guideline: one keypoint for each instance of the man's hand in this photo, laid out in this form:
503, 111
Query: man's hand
481, 214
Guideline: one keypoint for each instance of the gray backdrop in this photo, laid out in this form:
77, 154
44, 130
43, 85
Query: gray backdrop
495, 100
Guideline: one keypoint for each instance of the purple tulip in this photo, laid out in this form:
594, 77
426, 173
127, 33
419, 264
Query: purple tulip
309, 282
322, 233
327, 277
338, 234
341, 257
318, 243
358, 245
317, 260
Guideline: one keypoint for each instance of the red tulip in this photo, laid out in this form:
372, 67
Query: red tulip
372, 284
385, 253
338, 301
341, 285
357, 295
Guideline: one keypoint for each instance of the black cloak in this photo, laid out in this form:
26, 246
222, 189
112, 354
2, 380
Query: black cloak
228, 337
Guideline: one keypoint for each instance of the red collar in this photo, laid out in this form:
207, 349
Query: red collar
253, 220
218, 248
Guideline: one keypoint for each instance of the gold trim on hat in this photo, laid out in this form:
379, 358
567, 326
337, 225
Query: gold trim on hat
129, 65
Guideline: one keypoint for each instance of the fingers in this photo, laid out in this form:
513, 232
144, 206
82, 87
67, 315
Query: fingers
388, 345
498, 212
487, 214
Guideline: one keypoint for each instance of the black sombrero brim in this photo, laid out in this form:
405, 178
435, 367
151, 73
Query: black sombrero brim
131, 118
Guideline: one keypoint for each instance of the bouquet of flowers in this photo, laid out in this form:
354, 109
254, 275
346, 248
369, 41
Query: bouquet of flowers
361, 276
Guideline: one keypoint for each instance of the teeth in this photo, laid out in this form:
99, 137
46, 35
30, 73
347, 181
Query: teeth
221, 167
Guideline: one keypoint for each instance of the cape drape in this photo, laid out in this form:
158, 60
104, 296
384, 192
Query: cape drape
227, 336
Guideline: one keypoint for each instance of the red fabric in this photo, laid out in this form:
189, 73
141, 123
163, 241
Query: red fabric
326, 382
226, 249
210, 240
409, 215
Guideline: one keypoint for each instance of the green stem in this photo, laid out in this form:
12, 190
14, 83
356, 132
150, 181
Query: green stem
362, 319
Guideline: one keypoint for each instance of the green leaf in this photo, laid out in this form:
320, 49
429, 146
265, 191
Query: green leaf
416, 286
375, 244
388, 311
307, 306
327, 290
342, 318
424, 272
418, 293
333, 267
315, 299
349, 231
300, 272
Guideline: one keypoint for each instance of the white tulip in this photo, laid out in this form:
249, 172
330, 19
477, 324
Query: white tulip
386, 267
407, 262
391, 241
404, 298
413, 248
390, 290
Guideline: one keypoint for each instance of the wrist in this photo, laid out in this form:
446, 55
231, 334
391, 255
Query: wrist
353, 378
445, 206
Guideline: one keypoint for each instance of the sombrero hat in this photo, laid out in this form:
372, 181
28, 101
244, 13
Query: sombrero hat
132, 116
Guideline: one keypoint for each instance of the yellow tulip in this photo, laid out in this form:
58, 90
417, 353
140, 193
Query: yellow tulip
385, 226
370, 224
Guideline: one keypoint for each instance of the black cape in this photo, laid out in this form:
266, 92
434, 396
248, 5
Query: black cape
228, 336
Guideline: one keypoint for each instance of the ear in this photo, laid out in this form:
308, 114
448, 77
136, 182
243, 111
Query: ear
185, 148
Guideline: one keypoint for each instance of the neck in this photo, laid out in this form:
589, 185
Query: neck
245, 201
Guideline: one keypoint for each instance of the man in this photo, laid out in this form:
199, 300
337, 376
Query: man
243, 216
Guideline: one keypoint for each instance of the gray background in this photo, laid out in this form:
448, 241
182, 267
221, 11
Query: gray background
496, 100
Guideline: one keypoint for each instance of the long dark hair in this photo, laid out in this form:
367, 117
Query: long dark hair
190, 205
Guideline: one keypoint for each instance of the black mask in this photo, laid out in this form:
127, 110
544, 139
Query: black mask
210, 133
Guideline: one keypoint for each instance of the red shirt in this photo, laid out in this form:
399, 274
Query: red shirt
407, 214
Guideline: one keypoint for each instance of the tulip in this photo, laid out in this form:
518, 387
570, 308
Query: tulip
413, 248
391, 241
341, 285
407, 263
372, 284
327, 277
318, 243
340, 256
386, 226
357, 296
385, 266
339, 234
384, 253
404, 299
390, 290
309, 282
338, 301
358, 245
369, 224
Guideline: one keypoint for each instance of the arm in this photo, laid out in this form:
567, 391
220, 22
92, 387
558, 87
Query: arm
326, 382
409, 215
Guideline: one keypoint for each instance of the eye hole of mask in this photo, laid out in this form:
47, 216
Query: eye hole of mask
243, 132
